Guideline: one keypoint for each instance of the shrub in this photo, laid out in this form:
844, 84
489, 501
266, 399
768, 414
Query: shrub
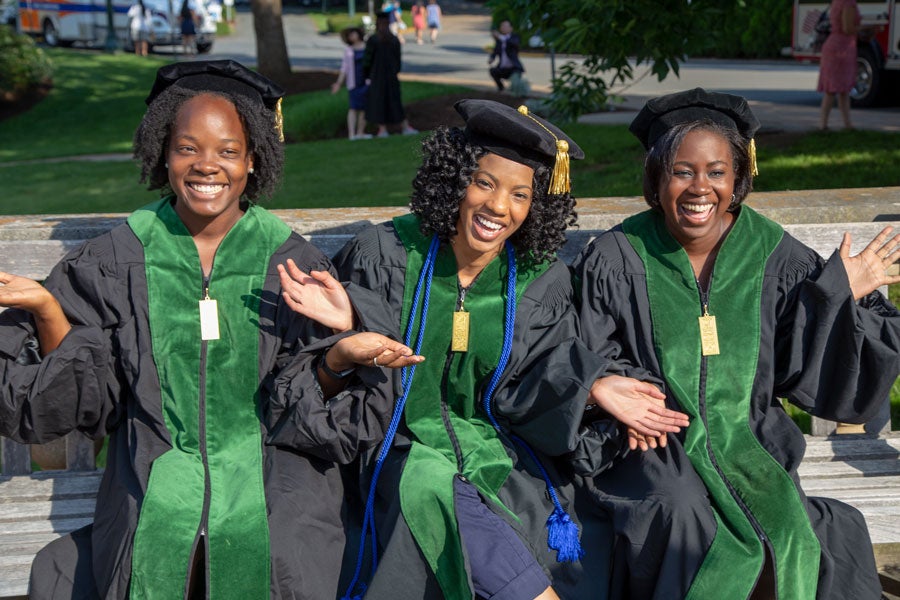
24, 68
338, 22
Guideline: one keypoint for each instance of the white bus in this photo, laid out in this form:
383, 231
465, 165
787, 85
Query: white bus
64, 22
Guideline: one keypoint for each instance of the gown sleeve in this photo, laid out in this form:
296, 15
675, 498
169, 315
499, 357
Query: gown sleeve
547, 383
373, 267
74, 386
298, 415
835, 358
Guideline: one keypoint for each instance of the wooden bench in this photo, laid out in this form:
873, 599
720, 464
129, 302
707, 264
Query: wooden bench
862, 469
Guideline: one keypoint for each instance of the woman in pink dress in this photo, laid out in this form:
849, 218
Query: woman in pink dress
837, 70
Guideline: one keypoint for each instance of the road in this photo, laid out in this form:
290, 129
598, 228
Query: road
782, 93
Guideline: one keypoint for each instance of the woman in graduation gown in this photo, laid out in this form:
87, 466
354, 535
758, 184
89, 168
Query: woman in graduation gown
459, 503
732, 313
168, 334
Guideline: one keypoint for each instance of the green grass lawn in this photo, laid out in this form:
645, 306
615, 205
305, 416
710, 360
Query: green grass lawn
98, 99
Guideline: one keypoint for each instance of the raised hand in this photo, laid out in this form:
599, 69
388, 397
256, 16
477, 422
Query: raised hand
867, 271
640, 406
316, 295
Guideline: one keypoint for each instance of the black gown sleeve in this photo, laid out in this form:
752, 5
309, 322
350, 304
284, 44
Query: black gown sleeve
74, 386
836, 358
545, 390
297, 414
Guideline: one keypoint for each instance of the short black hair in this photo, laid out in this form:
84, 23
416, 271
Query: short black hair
151, 141
440, 184
660, 159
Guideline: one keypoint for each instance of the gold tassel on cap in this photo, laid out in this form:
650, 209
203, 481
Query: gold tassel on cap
559, 180
279, 121
752, 152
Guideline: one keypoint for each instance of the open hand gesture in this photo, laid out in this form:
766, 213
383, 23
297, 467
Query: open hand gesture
316, 295
371, 350
640, 406
867, 270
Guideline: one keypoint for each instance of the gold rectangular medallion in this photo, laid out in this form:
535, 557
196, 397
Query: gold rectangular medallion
460, 342
709, 336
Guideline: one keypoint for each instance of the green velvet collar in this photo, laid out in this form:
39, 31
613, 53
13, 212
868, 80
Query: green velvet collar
211, 408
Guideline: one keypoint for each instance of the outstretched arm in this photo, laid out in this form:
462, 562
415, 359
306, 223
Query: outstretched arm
26, 294
316, 295
867, 271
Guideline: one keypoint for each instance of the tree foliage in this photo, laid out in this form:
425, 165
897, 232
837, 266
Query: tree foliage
755, 29
611, 38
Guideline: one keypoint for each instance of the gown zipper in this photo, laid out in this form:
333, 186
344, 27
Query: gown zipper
761, 535
201, 537
445, 409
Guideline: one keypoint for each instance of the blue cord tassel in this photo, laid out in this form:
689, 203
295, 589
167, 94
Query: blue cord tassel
562, 536
406, 382
562, 532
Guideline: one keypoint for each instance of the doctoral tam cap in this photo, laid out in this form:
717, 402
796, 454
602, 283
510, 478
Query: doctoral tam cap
521, 136
226, 76
661, 114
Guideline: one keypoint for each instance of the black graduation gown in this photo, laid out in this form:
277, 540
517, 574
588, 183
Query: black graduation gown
381, 64
825, 353
541, 398
102, 380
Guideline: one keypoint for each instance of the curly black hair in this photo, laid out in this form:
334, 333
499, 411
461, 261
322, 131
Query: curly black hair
440, 184
151, 141
661, 159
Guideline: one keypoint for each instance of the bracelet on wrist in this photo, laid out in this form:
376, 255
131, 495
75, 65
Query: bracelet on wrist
335, 374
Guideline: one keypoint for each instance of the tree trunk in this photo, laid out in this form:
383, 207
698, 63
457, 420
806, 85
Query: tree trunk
271, 47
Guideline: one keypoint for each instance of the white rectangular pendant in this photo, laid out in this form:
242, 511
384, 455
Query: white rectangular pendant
209, 320
709, 336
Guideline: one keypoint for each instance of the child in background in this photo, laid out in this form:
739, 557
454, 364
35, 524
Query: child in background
352, 74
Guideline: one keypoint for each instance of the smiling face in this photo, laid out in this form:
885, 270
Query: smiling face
209, 161
496, 203
697, 194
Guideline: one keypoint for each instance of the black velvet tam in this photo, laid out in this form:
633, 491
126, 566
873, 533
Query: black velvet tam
522, 137
225, 76
665, 112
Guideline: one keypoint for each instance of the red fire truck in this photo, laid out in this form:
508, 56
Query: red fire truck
878, 47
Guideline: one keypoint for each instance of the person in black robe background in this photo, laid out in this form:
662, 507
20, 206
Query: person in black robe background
221, 478
381, 65
733, 314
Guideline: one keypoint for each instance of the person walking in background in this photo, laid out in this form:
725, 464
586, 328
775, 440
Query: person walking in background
352, 74
139, 24
506, 53
188, 28
381, 64
837, 69
397, 23
433, 16
418, 18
